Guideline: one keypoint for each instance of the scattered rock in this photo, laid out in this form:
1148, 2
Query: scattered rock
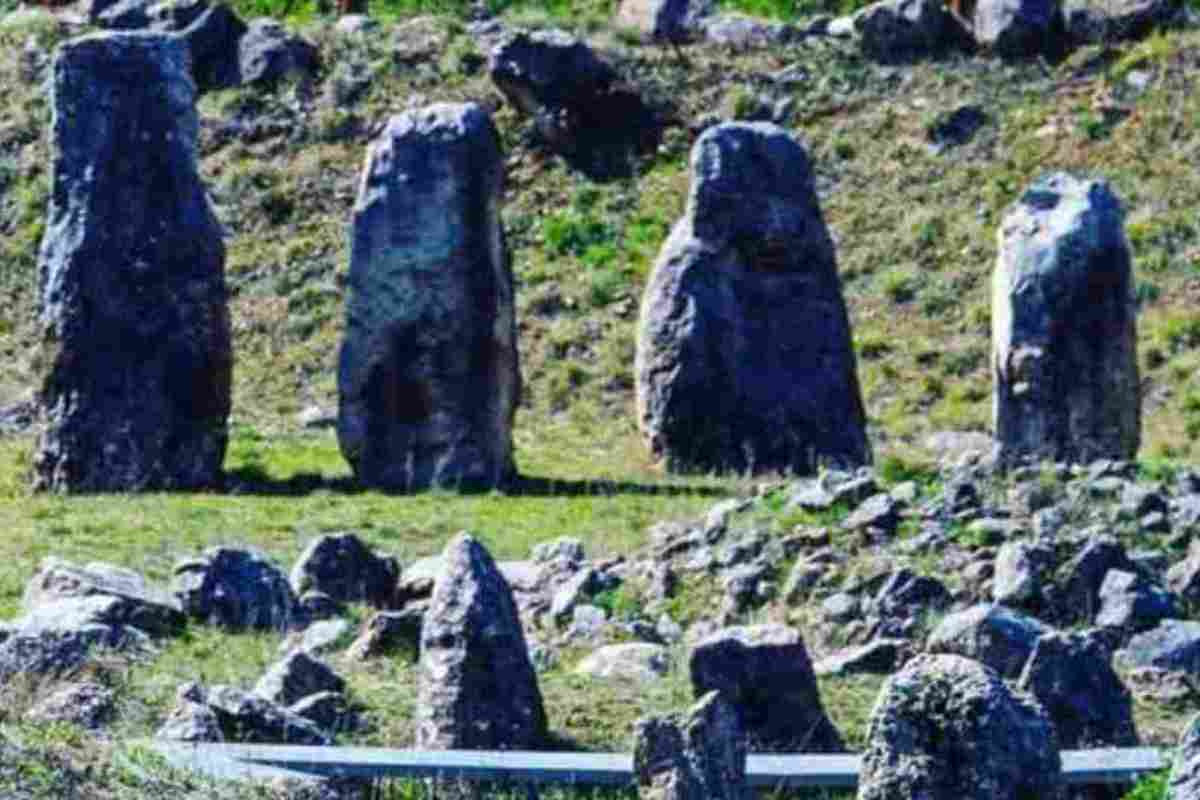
700, 755
579, 104
1184, 780
727, 379
250, 718
665, 21
1071, 675
477, 687
154, 612
948, 727
147, 272
1173, 644
213, 40
297, 676
430, 327
740, 33
999, 637
268, 53
1091, 22
1131, 603
419, 39
234, 588
388, 630
1064, 326
639, 662
902, 31
343, 567
84, 704
879, 657
765, 672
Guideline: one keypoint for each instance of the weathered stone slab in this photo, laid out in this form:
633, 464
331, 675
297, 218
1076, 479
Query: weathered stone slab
132, 293
428, 375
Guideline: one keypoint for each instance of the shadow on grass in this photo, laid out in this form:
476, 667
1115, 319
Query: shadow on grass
253, 481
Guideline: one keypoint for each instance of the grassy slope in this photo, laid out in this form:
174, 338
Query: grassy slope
916, 235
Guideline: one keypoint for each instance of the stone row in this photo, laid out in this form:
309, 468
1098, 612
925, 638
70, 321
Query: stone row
744, 363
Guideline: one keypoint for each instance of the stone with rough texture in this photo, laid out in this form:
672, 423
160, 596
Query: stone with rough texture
700, 755
343, 567
744, 361
1022, 571
136, 391
1131, 603
85, 704
670, 21
253, 719
639, 662
477, 689
1173, 644
1064, 326
235, 588
1072, 677
1106, 21
1184, 780
765, 672
1017, 28
947, 728
899, 31
267, 53
146, 608
428, 379
580, 106
212, 40
296, 676
999, 637
388, 630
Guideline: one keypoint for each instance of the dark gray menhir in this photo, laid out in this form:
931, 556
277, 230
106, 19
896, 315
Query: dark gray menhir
477, 687
744, 359
131, 277
947, 728
1064, 326
428, 379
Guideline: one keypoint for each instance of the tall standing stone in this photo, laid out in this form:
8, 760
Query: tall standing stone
428, 376
131, 277
744, 359
477, 687
1064, 328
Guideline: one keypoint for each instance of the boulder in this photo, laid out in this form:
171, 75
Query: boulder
1022, 572
738, 32
477, 687
144, 607
765, 672
1101, 21
1130, 603
1071, 675
580, 106
700, 755
879, 657
191, 720
637, 662
1184, 780
389, 630
1183, 577
666, 21
328, 710
901, 31
428, 379
267, 53
85, 704
744, 361
1017, 28
1172, 645
63, 648
343, 567
1081, 579
235, 588
1000, 638
947, 728
1064, 321
904, 594
136, 390
252, 719
213, 41
297, 676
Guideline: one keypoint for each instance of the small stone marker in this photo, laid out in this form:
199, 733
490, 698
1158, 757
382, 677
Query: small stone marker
700, 755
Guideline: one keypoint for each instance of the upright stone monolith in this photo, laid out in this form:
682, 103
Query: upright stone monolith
1064, 328
477, 688
131, 273
744, 360
428, 377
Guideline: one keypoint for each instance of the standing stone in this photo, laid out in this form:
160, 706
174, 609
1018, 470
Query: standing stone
428, 375
744, 360
477, 687
131, 276
947, 728
765, 672
1064, 327
697, 756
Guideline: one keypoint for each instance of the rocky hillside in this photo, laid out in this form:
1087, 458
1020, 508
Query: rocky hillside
624, 582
